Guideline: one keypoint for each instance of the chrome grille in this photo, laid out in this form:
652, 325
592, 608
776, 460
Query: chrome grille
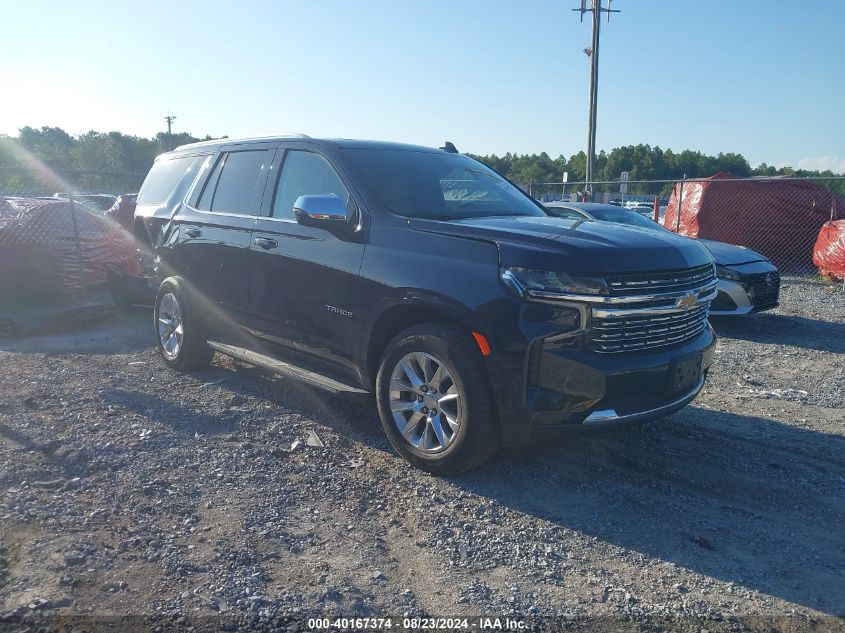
666, 281
635, 333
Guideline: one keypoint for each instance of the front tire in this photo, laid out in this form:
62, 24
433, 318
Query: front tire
435, 401
180, 334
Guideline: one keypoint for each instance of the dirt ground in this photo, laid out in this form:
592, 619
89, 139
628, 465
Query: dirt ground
195, 500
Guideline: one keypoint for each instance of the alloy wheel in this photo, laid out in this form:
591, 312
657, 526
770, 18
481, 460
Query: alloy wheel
425, 402
170, 329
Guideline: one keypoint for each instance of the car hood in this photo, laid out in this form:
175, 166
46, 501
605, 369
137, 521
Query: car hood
731, 254
575, 245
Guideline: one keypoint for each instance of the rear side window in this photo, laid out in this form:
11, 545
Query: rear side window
163, 178
305, 174
208, 193
234, 190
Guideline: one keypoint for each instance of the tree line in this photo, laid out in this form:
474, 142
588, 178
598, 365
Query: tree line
116, 162
109, 162
92, 151
642, 162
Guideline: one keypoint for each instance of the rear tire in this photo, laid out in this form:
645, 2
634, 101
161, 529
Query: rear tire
179, 331
435, 401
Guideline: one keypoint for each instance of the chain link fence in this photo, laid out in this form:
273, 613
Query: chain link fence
62, 236
780, 218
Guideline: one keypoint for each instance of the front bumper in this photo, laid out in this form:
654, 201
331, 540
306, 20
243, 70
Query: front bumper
568, 386
732, 299
757, 289
569, 365
570, 389
610, 417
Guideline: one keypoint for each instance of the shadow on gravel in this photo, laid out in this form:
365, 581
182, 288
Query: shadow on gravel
778, 329
183, 420
71, 461
737, 498
351, 415
21, 439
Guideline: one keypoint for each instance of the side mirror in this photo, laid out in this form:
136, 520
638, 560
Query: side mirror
324, 211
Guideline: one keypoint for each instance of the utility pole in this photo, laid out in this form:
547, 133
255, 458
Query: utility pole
169, 118
593, 53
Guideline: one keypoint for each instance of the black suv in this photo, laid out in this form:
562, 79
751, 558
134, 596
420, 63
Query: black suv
423, 276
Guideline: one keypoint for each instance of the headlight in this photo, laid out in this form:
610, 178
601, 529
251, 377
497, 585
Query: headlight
723, 272
526, 280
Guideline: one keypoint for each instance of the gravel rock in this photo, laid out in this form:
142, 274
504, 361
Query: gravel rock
204, 498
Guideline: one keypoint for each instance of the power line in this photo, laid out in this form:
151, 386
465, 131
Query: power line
593, 53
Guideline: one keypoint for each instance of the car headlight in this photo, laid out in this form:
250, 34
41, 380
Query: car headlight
524, 281
723, 272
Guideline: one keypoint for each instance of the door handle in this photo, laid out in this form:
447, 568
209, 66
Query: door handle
266, 243
193, 232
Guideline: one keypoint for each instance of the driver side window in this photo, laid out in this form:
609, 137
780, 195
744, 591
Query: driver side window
305, 173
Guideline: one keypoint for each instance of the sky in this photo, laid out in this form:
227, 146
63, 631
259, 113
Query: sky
764, 78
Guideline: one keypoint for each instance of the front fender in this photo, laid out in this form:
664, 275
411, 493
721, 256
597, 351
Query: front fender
432, 301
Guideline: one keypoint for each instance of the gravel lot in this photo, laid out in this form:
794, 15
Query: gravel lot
196, 500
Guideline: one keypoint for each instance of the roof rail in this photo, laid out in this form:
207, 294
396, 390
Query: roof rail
227, 140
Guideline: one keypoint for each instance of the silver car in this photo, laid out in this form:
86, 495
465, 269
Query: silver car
748, 282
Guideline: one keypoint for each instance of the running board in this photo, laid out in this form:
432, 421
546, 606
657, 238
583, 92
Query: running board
280, 367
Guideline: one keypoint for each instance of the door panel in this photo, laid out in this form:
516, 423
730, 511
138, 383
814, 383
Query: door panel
303, 279
215, 249
303, 290
214, 238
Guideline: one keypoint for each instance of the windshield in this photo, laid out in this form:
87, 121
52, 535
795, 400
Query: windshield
436, 186
624, 216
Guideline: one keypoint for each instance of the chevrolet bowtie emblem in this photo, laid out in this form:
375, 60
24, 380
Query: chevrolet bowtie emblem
687, 301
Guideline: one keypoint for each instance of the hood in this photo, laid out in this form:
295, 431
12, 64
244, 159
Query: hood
731, 254
575, 245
